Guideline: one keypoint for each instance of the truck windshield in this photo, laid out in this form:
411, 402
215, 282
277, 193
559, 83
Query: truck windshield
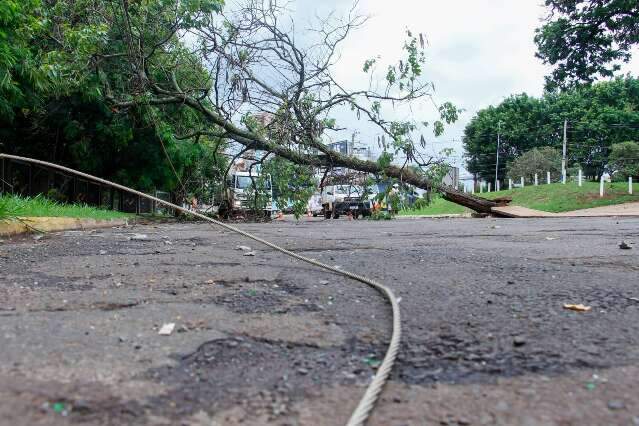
243, 182
349, 190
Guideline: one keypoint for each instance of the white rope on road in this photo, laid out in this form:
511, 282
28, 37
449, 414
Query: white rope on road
367, 403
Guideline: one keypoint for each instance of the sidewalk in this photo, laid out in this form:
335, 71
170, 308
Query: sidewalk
627, 209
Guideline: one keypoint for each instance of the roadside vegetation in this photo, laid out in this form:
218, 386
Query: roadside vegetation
13, 207
438, 206
597, 118
128, 98
554, 198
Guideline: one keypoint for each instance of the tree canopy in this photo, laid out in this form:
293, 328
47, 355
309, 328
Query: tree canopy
187, 71
624, 159
584, 39
598, 116
54, 100
20, 75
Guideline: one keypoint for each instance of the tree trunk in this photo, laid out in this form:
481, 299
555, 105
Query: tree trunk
478, 204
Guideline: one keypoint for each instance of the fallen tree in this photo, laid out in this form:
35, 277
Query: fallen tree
255, 80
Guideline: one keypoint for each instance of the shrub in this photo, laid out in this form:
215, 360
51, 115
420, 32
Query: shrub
624, 159
537, 160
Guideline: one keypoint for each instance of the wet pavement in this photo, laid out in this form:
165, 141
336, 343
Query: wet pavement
266, 339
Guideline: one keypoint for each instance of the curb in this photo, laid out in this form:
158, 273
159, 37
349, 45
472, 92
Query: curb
53, 224
434, 216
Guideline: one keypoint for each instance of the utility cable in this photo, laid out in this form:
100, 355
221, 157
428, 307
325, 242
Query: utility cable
367, 403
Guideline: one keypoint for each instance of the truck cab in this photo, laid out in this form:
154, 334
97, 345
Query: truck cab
241, 189
342, 199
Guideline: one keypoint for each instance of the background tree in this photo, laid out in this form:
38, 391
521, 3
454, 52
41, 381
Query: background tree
598, 116
536, 161
293, 184
53, 104
20, 74
624, 160
236, 65
584, 39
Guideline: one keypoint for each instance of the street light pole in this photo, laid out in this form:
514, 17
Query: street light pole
563, 157
497, 163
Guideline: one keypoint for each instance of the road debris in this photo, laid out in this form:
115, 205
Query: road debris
138, 237
519, 341
616, 405
57, 407
103, 252
624, 246
579, 307
243, 248
552, 238
167, 329
372, 361
249, 253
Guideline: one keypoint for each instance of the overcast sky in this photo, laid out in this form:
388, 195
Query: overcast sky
480, 51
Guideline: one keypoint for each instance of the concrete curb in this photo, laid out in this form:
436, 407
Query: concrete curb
434, 216
53, 224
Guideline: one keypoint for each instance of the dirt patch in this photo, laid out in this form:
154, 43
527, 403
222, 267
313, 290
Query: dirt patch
251, 302
580, 398
60, 403
228, 372
451, 359
114, 306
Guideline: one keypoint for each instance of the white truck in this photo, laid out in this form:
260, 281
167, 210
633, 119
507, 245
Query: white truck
238, 196
342, 199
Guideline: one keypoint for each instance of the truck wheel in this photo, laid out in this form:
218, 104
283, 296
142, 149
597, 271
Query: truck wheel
335, 215
356, 215
224, 211
327, 214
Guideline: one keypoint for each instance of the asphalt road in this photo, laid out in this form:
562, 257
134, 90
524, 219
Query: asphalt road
268, 340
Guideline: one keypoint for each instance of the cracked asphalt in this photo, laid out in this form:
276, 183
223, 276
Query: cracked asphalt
266, 339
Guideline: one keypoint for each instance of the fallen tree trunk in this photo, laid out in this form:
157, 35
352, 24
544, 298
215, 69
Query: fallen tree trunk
335, 159
326, 158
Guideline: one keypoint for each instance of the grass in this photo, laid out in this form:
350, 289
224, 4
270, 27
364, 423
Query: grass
554, 198
13, 206
436, 207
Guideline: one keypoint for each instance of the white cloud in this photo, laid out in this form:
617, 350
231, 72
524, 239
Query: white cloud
479, 51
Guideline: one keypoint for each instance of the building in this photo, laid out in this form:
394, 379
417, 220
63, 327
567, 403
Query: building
452, 177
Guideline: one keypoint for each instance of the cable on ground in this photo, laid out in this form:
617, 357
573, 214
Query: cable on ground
367, 403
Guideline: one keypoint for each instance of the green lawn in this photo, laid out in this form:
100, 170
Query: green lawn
12, 206
436, 207
555, 198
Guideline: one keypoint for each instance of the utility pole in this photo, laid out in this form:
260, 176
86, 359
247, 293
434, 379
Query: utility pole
563, 158
497, 163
